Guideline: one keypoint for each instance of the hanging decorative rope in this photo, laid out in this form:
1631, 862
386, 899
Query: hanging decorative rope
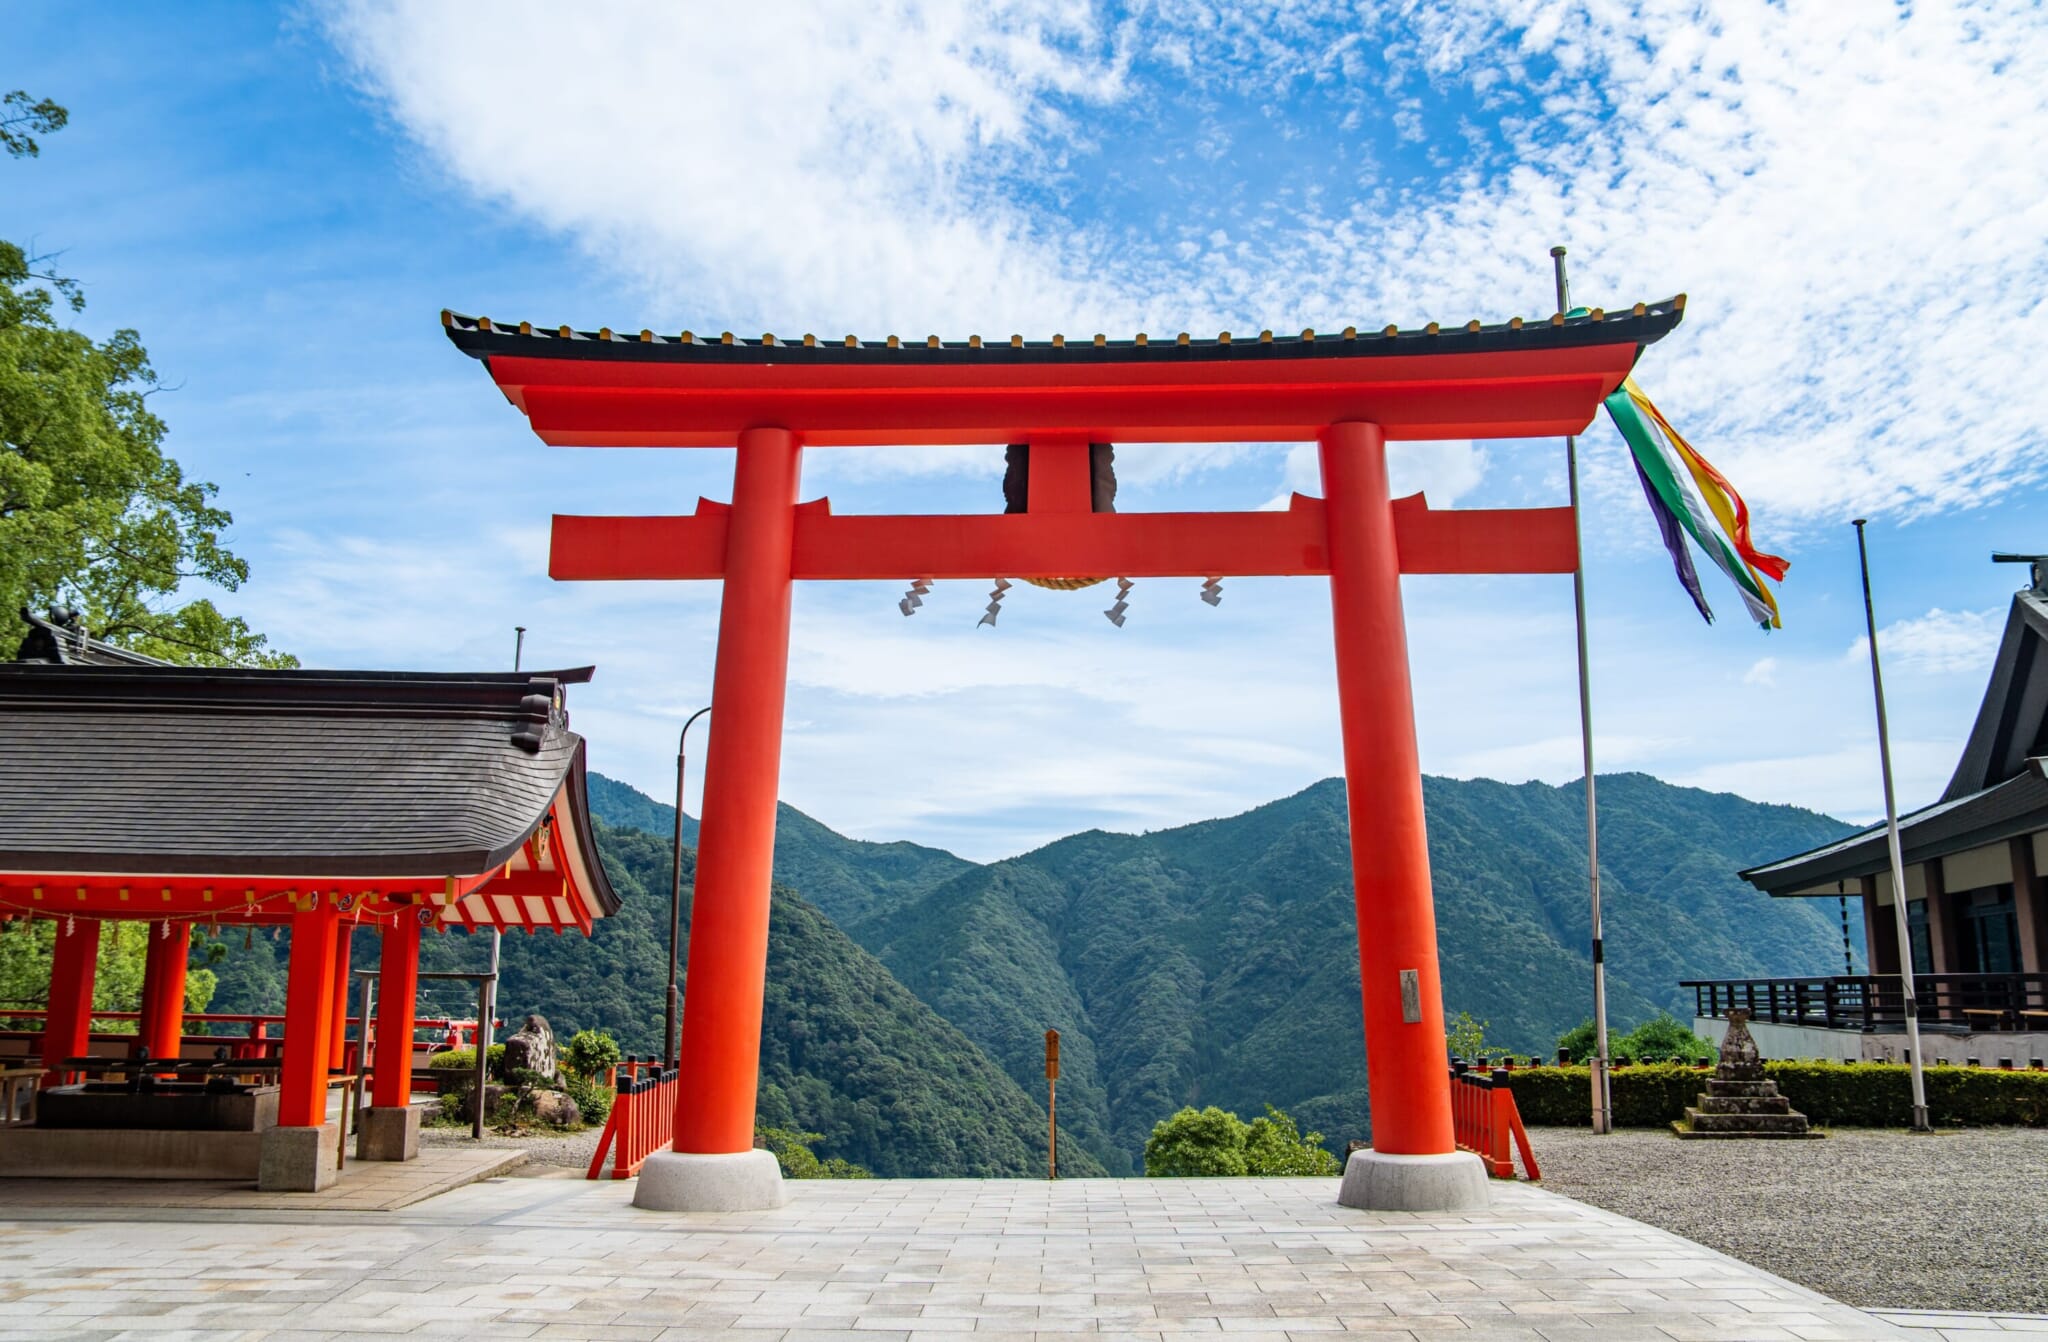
914, 598
1212, 591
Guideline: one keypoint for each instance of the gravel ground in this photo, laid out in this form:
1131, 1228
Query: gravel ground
1880, 1219
562, 1149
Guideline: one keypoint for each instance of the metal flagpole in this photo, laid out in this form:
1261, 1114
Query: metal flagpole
487, 991
1603, 1113
675, 896
1891, 834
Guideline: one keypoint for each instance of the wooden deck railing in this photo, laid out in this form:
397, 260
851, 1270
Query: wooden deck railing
1486, 1121
643, 1118
1876, 1002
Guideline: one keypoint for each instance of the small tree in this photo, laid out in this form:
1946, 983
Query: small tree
1465, 1037
591, 1053
1577, 1043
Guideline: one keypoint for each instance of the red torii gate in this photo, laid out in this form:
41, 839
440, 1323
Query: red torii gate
1351, 392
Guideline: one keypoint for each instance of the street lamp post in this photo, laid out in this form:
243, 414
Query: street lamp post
675, 894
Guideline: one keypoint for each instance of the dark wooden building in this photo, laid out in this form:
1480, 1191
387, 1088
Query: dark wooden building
320, 801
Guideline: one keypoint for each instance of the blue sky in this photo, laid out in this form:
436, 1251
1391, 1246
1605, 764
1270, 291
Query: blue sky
1853, 197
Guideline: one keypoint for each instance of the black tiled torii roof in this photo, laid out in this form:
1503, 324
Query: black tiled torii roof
1644, 324
236, 772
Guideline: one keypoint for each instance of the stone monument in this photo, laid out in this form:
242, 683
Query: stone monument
1739, 1100
532, 1047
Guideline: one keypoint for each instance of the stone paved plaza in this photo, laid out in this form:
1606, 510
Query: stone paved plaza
894, 1259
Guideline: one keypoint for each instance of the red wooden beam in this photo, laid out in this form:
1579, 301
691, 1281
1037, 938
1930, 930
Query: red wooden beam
1286, 543
1531, 393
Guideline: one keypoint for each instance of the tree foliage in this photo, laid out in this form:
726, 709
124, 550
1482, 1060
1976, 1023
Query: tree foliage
1212, 1142
93, 515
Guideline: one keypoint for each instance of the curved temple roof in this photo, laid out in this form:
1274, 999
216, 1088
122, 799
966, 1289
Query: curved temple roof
1643, 324
1512, 379
439, 782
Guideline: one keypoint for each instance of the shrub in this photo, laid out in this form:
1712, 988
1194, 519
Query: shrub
1207, 1143
793, 1153
591, 1053
1274, 1146
460, 1066
593, 1097
1854, 1094
463, 1060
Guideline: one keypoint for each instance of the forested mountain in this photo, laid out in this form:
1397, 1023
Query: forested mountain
1214, 963
1217, 963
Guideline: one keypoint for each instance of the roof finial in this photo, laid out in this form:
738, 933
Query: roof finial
2038, 571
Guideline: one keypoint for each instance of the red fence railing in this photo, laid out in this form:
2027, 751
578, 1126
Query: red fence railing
1485, 1119
643, 1118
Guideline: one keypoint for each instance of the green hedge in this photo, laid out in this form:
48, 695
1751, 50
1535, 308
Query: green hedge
1856, 1095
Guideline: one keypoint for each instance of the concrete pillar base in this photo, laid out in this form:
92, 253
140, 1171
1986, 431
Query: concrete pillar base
1381, 1182
389, 1134
745, 1181
298, 1160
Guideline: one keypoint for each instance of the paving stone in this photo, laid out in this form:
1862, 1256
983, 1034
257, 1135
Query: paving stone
920, 1260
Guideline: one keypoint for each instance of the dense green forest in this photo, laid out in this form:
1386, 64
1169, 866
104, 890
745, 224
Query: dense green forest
1211, 964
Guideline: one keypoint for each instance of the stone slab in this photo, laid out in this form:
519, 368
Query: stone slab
123, 1153
1679, 1128
299, 1160
389, 1133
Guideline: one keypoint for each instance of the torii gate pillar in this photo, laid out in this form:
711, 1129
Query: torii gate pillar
1414, 1163
714, 1166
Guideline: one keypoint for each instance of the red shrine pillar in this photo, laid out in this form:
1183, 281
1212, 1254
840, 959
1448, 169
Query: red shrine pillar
714, 1165
299, 1153
162, 1030
1414, 1163
391, 1126
337, 1033
67, 1025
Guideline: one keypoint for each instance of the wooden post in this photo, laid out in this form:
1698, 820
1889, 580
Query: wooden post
308, 1017
398, 978
162, 1027
67, 1026
1052, 1104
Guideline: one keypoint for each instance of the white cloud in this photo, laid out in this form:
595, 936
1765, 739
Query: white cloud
1853, 194
1763, 671
1941, 642
829, 165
